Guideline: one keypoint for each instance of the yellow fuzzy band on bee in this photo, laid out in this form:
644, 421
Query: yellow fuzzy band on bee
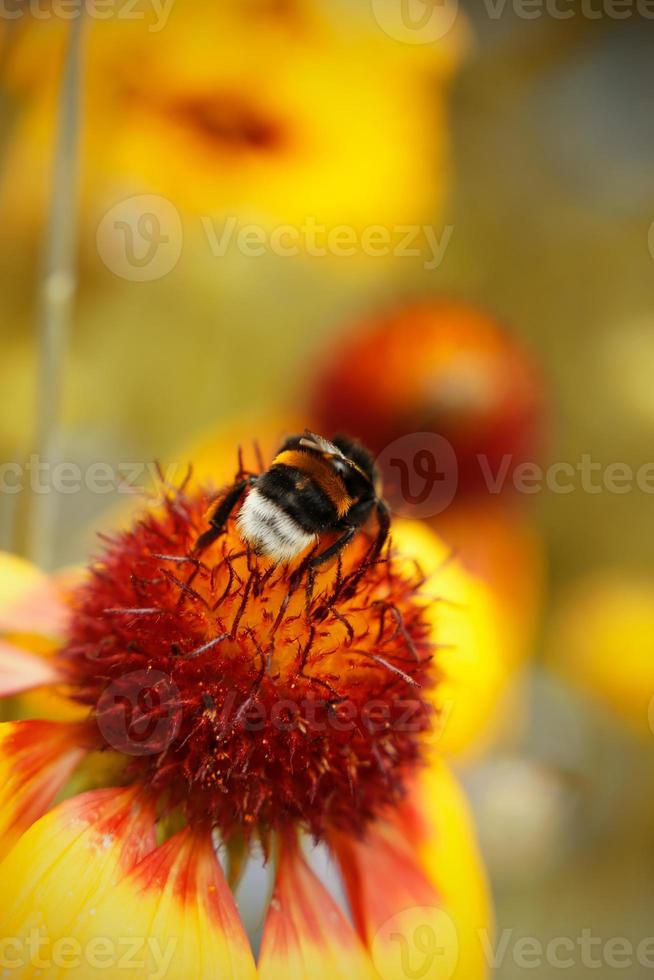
322, 473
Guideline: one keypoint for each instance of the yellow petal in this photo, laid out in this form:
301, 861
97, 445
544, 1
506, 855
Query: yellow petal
60, 868
173, 916
49, 702
29, 601
438, 821
467, 629
306, 936
23, 671
501, 545
399, 913
36, 759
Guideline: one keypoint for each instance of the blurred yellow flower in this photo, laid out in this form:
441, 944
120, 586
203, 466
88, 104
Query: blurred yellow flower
232, 109
602, 639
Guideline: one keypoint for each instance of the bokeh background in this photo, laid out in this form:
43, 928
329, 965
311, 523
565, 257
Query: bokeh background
525, 141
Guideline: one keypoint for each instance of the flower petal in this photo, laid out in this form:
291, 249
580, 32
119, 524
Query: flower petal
306, 936
175, 913
23, 671
60, 868
468, 631
36, 759
30, 602
398, 912
437, 820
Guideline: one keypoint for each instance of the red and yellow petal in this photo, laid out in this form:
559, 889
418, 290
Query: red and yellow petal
36, 760
417, 889
174, 915
306, 936
437, 820
53, 878
398, 912
30, 602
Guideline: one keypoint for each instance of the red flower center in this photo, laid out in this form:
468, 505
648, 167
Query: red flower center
237, 695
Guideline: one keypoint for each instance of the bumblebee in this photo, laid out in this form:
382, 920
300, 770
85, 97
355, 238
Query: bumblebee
312, 487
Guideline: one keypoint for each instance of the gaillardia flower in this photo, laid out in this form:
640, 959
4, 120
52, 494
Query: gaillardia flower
221, 705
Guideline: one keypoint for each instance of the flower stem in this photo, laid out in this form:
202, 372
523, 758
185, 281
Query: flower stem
57, 295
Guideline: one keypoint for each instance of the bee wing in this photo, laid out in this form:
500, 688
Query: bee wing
313, 441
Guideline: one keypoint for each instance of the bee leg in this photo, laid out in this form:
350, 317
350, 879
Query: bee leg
334, 548
221, 514
323, 556
308, 594
384, 522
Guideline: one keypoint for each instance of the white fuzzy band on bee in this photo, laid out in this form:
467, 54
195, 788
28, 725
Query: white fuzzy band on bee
268, 530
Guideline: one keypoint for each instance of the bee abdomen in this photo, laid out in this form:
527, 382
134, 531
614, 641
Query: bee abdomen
269, 530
